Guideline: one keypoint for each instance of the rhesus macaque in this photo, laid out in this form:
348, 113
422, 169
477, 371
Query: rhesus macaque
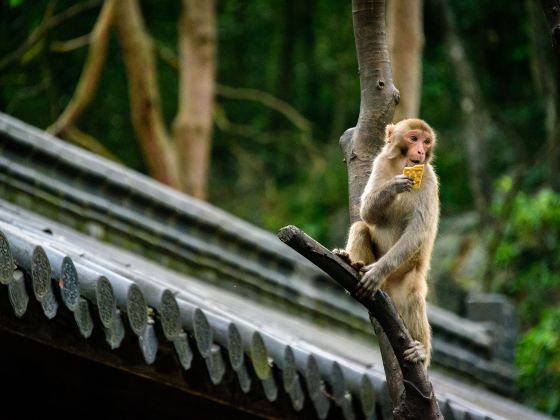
392, 244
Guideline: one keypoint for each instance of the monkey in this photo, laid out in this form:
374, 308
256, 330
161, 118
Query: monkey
392, 243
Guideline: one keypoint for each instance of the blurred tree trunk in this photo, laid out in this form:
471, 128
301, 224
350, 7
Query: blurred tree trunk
192, 128
145, 104
406, 42
378, 97
479, 126
545, 66
182, 161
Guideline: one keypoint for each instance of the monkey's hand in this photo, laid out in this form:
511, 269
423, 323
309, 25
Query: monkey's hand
346, 257
415, 353
402, 184
370, 282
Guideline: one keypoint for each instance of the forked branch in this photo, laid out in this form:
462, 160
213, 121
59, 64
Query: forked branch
417, 401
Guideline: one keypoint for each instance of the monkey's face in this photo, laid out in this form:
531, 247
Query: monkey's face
418, 144
411, 141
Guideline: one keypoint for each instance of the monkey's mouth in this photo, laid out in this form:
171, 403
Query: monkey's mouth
413, 162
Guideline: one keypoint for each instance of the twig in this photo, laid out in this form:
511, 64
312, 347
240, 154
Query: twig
71, 44
247, 94
76, 136
49, 22
92, 70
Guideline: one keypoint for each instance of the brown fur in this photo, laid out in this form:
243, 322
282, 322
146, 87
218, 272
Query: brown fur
398, 230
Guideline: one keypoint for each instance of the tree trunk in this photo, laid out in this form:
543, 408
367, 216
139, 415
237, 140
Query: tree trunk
377, 101
192, 128
406, 42
144, 93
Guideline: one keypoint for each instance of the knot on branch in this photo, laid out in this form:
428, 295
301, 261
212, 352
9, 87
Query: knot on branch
396, 96
380, 84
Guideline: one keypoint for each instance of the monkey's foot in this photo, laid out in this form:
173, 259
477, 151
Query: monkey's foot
346, 258
339, 252
358, 265
415, 353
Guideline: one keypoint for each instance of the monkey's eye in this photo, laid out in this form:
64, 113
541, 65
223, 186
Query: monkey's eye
413, 138
427, 141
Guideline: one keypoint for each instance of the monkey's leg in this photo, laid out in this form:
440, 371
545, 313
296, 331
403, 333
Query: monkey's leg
360, 246
416, 320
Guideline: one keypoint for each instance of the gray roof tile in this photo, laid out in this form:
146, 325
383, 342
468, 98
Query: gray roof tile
235, 337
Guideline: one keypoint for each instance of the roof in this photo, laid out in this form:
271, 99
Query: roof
222, 289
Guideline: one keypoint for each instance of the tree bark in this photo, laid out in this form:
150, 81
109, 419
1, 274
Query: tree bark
93, 66
193, 125
377, 101
144, 93
418, 400
406, 42
409, 387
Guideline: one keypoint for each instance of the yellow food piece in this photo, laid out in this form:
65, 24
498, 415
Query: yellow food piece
415, 172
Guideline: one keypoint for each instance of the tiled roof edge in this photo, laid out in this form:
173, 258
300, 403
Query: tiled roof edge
86, 186
96, 295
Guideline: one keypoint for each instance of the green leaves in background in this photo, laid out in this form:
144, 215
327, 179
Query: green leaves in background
529, 259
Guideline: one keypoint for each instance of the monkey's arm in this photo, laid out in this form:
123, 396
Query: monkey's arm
419, 232
375, 201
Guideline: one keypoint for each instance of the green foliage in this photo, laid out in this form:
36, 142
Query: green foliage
538, 359
528, 258
528, 253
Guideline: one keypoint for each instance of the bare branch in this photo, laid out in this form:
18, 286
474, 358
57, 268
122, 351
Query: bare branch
49, 22
417, 399
266, 99
91, 72
224, 124
71, 44
247, 94
76, 136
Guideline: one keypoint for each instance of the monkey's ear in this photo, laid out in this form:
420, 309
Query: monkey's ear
389, 132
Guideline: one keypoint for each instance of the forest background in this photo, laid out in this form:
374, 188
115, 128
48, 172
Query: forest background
284, 89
